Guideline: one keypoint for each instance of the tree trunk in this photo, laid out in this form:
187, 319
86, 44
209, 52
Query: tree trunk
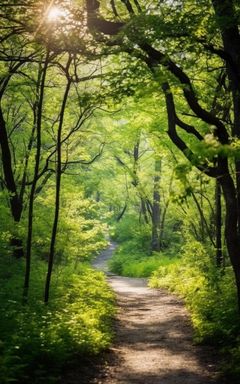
41, 78
231, 226
120, 215
15, 200
143, 210
156, 210
58, 189
203, 222
225, 10
218, 225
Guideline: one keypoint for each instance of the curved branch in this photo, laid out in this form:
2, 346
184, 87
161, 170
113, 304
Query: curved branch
188, 128
156, 57
88, 162
99, 24
171, 114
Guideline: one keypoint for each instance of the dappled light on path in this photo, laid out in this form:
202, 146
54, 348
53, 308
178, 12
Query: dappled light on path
153, 338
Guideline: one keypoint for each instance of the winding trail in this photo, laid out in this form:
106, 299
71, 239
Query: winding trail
153, 342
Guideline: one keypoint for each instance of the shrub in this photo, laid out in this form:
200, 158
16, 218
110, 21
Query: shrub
210, 294
130, 230
36, 339
128, 261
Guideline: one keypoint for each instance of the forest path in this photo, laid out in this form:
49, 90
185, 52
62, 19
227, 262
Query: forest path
153, 342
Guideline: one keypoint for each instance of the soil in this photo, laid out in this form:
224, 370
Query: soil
154, 339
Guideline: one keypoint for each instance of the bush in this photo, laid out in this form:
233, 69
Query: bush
210, 294
37, 339
130, 230
128, 261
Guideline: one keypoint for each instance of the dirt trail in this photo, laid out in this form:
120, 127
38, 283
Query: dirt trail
153, 338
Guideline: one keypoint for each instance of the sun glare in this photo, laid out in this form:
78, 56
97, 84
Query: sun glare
56, 13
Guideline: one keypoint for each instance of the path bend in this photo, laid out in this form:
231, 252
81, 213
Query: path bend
153, 343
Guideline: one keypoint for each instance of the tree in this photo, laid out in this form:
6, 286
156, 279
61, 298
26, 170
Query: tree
14, 183
38, 125
207, 35
30, 159
156, 208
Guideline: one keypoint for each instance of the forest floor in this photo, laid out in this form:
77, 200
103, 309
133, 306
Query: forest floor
153, 343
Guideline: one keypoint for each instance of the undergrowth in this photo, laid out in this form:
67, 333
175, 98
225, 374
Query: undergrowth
127, 261
210, 295
36, 340
190, 271
133, 256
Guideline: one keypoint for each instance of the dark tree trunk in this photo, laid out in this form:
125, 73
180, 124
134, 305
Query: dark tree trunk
17, 247
231, 227
38, 122
15, 200
203, 220
218, 225
143, 210
58, 189
16, 203
237, 168
156, 210
225, 11
120, 215
164, 212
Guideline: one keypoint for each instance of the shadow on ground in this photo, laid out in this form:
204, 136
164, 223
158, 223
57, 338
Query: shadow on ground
153, 343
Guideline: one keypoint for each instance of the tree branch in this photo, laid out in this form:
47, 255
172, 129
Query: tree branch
155, 58
210, 171
188, 128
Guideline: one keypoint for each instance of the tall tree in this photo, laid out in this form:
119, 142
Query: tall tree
58, 180
38, 124
156, 208
183, 31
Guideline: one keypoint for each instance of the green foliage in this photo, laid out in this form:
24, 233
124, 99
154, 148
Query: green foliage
133, 256
80, 234
127, 262
37, 339
209, 294
188, 34
136, 235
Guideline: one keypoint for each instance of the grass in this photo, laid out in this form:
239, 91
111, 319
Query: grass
36, 340
131, 262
